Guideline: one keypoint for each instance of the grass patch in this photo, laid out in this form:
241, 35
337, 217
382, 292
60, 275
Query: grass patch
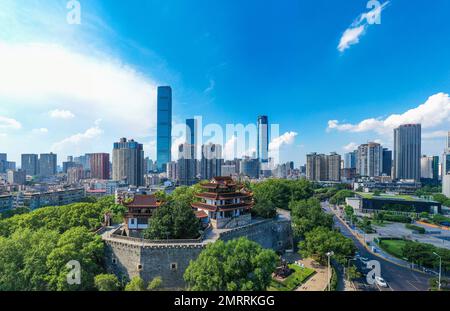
393, 247
298, 277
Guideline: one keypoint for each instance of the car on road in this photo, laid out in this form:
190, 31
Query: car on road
380, 281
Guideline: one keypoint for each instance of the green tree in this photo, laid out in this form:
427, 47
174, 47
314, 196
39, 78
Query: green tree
236, 265
353, 273
135, 285
75, 244
173, 220
321, 240
106, 283
340, 196
308, 214
155, 284
264, 206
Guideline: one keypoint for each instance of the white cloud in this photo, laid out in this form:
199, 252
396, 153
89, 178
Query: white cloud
350, 37
71, 143
42, 130
8, 123
350, 147
357, 29
61, 114
434, 112
435, 134
230, 148
210, 88
40, 75
287, 138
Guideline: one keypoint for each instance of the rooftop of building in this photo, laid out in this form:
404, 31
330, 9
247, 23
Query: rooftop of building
399, 197
142, 201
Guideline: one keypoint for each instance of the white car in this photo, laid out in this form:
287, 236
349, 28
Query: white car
380, 281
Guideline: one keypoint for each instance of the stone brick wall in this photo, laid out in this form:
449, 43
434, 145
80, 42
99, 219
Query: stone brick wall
127, 258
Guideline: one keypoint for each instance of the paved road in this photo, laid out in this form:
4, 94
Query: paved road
399, 278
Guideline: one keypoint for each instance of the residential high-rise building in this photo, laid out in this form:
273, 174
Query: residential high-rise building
387, 162
172, 171
186, 165
263, 139
128, 162
75, 174
30, 164
17, 177
334, 167
99, 166
211, 161
407, 151
350, 160
369, 160
322, 167
164, 127
47, 164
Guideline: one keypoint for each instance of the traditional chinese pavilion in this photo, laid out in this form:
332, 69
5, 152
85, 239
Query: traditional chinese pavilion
225, 203
140, 208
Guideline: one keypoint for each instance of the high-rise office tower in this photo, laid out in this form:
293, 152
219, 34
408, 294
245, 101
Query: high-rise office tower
263, 139
407, 151
369, 160
128, 162
47, 164
387, 162
426, 167
211, 162
164, 127
186, 165
99, 165
350, 160
191, 132
30, 164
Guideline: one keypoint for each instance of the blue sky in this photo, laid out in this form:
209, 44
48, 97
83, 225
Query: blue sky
330, 79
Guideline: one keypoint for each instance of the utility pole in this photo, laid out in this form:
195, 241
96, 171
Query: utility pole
329, 254
440, 270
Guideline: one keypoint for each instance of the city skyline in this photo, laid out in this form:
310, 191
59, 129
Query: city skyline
218, 75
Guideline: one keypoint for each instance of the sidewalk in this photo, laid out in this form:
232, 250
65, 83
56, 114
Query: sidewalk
316, 283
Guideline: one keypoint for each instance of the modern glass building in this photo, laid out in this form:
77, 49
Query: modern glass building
350, 160
407, 151
191, 136
263, 139
164, 127
387, 162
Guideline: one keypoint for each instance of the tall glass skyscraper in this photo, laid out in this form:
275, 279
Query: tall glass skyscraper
407, 151
263, 139
164, 127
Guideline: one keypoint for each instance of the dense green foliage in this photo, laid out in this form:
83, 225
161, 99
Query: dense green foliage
340, 196
277, 193
308, 214
237, 265
395, 218
35, 247
106, 283
174, 220
418, 253
441, 198
36, 260
135, 285
321, 240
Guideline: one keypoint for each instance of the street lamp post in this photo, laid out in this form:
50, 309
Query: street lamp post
440, 270
329, 254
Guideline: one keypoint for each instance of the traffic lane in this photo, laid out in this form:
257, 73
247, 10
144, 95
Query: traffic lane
399, 278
